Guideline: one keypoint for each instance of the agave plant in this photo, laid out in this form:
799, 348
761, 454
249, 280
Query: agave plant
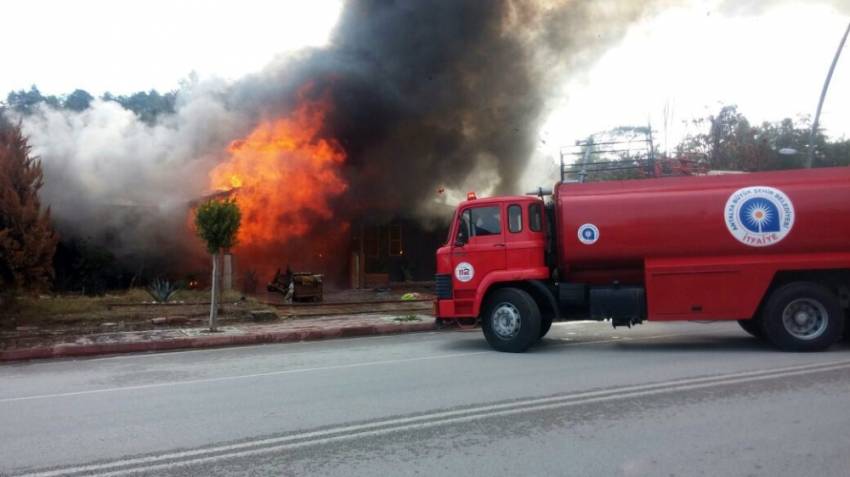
162, 290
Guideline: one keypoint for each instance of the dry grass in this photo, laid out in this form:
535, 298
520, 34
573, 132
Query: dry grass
46, 310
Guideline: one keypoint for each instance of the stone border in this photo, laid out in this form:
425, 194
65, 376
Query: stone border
66, 350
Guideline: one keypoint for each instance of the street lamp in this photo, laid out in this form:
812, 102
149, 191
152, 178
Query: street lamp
811, 156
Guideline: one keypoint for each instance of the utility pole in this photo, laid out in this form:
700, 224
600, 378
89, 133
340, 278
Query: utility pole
811, 155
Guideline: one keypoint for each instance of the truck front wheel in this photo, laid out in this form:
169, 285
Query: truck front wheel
511, 320
802, 316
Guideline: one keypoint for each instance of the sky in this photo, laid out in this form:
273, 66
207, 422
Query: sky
124, 47
691, 60
687, 60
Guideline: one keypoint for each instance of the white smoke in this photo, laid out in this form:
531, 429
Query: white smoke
118, 181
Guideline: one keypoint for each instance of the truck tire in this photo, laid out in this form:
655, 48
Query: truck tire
511, 320
752, 326
545, 325
802, 316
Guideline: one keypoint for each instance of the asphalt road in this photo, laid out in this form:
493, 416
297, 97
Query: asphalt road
658, 399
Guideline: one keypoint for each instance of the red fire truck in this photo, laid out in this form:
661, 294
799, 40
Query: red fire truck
770, 250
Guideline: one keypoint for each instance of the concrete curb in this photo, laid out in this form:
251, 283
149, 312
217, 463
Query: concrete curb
67, 350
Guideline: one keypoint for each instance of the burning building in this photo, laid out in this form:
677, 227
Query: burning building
410, 95
284, 175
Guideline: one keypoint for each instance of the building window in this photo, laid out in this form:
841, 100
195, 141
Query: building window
535, 217
514, 218
395, 245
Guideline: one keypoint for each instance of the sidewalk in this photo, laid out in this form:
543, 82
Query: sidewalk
291, 330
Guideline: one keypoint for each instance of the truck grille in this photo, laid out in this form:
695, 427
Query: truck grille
443, 286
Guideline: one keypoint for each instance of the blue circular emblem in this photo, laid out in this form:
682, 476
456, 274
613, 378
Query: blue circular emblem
759, 216
588, 234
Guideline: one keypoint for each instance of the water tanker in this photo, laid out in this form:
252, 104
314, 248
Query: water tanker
770, 250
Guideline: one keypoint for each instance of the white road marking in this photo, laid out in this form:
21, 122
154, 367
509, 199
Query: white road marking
240, 376
432, 419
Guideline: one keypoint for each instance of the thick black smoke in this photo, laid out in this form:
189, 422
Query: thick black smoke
432, 90
432, 94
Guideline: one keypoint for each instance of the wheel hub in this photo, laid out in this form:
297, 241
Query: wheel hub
805, 319
801, 318
506, 321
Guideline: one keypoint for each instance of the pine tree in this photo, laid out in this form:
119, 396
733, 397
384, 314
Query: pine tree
27, 240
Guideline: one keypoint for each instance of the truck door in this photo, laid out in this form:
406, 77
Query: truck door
524, 238
478, 250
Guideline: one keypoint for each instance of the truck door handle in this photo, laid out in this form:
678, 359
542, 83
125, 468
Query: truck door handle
498, 245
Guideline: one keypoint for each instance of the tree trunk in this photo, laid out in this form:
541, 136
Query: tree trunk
214, 294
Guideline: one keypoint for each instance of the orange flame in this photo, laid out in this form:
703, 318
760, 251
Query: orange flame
284, 175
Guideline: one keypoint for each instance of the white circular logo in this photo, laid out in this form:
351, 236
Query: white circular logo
464, 271
759, 216
588, 234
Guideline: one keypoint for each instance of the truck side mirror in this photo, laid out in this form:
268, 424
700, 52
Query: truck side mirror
459, 243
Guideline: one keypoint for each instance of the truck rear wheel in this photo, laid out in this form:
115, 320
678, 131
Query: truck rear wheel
752, 326
511, 320
802, 316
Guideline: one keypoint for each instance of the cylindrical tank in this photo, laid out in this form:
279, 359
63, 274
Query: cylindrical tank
605, 230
